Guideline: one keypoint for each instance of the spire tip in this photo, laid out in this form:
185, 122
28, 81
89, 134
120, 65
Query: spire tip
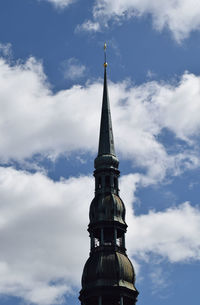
105, 63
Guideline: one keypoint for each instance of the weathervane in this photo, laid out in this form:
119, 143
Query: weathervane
105, 62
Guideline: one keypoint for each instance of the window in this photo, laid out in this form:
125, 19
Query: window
115, 183
96, 242
107, 181
99, 186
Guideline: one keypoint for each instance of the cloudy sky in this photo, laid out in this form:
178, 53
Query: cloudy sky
51, 69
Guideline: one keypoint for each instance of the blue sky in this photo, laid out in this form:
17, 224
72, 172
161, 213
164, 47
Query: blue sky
51, 69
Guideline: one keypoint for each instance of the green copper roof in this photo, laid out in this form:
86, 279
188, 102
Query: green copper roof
106, 140
108, 269
108, 208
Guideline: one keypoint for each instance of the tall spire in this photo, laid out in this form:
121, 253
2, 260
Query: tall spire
108, 276
106, 140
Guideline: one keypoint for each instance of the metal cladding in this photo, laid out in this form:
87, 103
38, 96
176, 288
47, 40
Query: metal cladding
106, 140
106, 152
108, 276
108, 208
110, 269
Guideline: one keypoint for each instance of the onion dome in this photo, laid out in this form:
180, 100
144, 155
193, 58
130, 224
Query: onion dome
108, 269
107, 208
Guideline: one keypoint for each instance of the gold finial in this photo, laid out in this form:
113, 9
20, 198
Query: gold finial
105, 63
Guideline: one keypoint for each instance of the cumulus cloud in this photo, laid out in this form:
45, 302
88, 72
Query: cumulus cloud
180, 16
43, 227
72, 69
173, 234
33, 120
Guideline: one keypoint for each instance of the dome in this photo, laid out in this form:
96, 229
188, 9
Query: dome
108, 269
108, 207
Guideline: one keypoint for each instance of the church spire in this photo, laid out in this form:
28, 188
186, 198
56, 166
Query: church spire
106, 141
106, 152
108, 276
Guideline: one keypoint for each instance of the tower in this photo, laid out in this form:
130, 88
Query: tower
108, 276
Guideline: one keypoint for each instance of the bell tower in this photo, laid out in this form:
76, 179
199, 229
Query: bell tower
108, 276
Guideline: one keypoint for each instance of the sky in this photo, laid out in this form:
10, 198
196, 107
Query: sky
51, 84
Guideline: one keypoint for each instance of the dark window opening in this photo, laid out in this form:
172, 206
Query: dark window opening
107, 181
99, 183
115, 183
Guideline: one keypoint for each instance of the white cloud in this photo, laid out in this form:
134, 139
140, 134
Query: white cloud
179, 16
43, 227
140, 114
72, 69
60, 3
33, 120
173, 234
